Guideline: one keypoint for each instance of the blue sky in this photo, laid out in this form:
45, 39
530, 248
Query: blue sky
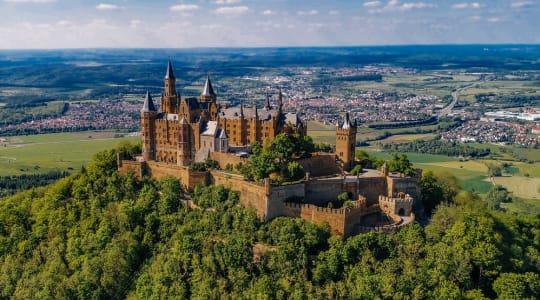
26, 24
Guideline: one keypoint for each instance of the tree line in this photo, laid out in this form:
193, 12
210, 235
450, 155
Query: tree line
438, 147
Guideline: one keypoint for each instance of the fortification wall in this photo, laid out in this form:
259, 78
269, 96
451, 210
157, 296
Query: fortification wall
372, 188
226, 158
125, 166
321, 164
188, 178
252, 194
406, 185
319, 192
278, 196
318, 215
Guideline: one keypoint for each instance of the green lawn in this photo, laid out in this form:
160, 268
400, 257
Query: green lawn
43, 153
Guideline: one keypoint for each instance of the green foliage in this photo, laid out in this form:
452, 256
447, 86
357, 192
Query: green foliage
400, 163
277, 156
497, 195
494, 170
438, 147
356, 170
437, 188
100, 235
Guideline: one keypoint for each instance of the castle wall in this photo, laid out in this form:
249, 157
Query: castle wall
188, 178
125, 166
226, 158
319, 192
278, 196
320, 164
406, 185
318, 215
252, 194
372, 188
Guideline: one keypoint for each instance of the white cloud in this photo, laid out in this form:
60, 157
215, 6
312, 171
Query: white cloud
395, 5
268, 12
184, 7
520, 4
30, 1
231, 10
493, 20
307, 12
334, 12
372, 4
228, 1
106, 6
465, 5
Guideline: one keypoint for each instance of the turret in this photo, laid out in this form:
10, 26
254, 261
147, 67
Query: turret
208, 94
148, 119
170, 99
346, 142
267, 104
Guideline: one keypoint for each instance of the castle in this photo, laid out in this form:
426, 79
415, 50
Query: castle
187, 130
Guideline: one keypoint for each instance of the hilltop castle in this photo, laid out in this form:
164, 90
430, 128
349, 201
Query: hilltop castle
188, 130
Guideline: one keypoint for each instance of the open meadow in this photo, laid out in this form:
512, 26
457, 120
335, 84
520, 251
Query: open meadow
48, 152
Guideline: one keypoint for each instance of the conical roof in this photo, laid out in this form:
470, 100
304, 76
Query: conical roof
346, 122
148, 105
208, 90
169, 74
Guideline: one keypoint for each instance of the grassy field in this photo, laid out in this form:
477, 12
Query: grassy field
43, 153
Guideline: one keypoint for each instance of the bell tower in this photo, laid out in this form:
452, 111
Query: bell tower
346, 142
169, 101
148, 124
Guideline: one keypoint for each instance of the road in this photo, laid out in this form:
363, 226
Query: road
455, 97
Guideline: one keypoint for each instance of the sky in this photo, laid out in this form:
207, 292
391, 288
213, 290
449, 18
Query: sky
54, 24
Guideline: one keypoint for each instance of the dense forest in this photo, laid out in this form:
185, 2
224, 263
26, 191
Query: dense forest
438, 147
99, 235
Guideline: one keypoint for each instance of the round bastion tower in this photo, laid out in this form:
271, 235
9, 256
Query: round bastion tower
148, 124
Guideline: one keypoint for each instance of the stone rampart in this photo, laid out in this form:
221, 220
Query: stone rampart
125, 166
320, 164
225, 159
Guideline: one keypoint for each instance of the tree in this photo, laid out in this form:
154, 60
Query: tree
497, 194
437, 188
400, 163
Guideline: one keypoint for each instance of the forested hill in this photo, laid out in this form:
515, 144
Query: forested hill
98, 235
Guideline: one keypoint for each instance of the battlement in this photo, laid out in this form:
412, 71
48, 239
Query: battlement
396, 200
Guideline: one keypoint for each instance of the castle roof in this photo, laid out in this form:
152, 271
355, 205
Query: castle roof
346, 122
208, 90
148, 105
291, 118
236, 112
210, 128
169, 74
222, 133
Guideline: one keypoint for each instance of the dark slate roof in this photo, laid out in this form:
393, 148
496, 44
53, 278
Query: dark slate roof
346, 122
169, 74
193, 103
148, 103
291, 118
208, 90
249, 112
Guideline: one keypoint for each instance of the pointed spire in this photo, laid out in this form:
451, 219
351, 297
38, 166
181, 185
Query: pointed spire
346, 122
280, 98
183, 121
242, 110
148, 105
256, 113
208, 90
169, 74
267, 106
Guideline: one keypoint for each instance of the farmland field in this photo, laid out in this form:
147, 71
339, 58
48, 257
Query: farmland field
48, 152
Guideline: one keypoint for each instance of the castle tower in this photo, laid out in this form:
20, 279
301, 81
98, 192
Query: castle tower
148, 124
169, 101
254, 125
267, 104
184, 144
208, 95
346, 142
